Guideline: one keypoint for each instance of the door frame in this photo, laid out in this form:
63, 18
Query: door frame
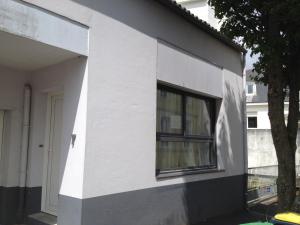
47, 139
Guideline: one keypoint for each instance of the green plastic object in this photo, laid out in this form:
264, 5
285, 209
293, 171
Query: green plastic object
257, 223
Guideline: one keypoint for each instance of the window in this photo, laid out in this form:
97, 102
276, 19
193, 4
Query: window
252, 122
251, 88
185, 132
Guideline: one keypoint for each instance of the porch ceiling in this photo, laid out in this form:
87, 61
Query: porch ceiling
28, 55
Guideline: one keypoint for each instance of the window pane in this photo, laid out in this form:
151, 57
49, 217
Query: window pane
198, 121
250, 88
169, 112
252, 122
180, 155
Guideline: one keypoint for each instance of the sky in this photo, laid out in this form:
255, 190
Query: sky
250, 60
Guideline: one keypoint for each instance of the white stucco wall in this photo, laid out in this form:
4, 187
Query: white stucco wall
70, 79
121, 106
125, 120
183, 69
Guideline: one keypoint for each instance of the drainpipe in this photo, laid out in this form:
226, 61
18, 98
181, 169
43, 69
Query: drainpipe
24, 152
245, 145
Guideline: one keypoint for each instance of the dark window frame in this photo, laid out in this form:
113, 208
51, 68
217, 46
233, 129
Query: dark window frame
175, 137
256, 124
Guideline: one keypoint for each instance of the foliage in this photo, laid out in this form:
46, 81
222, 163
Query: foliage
271, 28
248, 21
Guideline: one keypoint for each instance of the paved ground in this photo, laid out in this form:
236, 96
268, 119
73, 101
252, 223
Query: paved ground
237, 219
260, 212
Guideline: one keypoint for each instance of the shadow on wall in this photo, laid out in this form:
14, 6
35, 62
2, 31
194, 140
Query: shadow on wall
67, 77
194, 201
210, 198
74, 116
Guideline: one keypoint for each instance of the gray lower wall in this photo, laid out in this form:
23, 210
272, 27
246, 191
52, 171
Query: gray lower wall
9, 198
9, 203
33, 200
180, 204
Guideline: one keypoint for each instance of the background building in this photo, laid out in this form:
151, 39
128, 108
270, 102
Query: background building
202, 10
261, 151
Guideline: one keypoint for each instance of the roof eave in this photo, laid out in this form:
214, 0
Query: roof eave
186, 14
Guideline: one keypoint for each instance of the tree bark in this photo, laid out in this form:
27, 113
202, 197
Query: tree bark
292, 124
286, 182
283, 135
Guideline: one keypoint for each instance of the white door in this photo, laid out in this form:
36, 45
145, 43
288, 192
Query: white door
52, 155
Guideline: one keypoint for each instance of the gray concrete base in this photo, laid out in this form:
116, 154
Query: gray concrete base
9, 203
41, 219
179, 204
33, 200
9, 198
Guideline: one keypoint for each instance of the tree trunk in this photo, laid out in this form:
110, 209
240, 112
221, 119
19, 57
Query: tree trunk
284, 137
292, 126
283, 142
286, 184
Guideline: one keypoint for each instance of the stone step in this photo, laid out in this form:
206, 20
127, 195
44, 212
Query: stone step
41, 219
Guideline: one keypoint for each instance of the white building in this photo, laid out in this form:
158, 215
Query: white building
117, 113
202, 10
261, 151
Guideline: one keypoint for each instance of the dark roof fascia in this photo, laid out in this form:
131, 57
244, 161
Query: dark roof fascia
186, 14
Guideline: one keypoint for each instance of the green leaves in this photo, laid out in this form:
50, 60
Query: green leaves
270, 28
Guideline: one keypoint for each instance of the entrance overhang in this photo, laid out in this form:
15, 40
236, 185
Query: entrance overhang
32, 38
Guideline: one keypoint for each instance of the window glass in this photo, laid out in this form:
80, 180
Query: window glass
198, 121
183, 155
185, 137
252, 122
169, 112
250, 88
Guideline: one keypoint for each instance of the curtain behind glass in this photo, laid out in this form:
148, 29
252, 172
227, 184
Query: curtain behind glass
182, 155
198, 120
183, 146
169, 112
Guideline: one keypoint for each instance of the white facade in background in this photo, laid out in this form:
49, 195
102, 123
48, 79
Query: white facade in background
261, 150
260, 112
202, 10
